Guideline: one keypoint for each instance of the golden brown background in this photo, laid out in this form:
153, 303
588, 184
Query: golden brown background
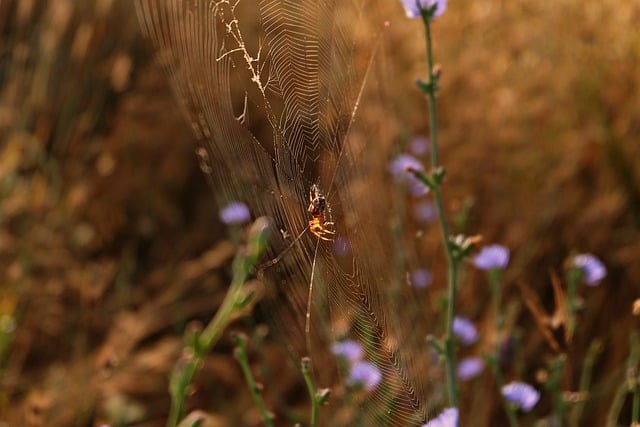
109, 237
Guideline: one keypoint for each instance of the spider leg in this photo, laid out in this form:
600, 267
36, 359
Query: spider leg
319, 230
326, 234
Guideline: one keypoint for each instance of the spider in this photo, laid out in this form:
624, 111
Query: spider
317, 207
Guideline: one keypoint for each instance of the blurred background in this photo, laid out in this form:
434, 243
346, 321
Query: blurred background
110, 241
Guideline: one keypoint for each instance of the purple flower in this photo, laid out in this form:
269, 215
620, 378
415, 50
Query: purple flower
413, 7
469, 368
419, 146
421, 278
447, 418
341, 246
399, 169
521, 395
425, 211
235, 213
350, 350
593, 271
492, 257
464, 330
366, 375
398, 166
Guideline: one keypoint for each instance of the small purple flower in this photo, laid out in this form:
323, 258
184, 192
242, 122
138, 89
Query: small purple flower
419, 146
521, 395
418, 189
492, 257
421, 278
593, 271
412, 7
425, 211
447, 418
350, 350
399, 169
469, 368
341, 246
398, 166
464, 330
235, 213
366, 375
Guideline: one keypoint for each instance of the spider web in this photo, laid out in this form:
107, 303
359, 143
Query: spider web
274, 113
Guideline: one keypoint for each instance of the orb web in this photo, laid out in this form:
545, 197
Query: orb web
281, 97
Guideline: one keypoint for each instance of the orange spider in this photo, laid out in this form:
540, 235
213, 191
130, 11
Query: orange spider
317, 207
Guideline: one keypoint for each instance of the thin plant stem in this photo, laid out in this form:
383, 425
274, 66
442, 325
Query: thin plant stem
181, 378
554, 384
496, 294
630, 383
494, 282
240, 353
236, 302
572, 295
450, 349
634, 379
616, 406
452, 264
585, 382
508, 408
317, 397
635, 405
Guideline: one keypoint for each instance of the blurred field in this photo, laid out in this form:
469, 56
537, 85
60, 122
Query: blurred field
110, 242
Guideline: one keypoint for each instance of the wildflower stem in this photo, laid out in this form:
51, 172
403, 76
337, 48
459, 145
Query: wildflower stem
508, 408
494, 281
616, 406
316, 396
633, 378
498, 321
635, 405
452, 270
573, 278
450, 350
198, 344
554, 384
624, 388
240, 353
431, 96
585, 382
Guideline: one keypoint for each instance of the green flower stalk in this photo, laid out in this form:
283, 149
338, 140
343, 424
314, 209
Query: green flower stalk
428, 10
237, 302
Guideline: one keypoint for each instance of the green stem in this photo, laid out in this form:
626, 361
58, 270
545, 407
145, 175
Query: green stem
633, 378
315, 405
556, 371
431, 96
452, 270
240, 354
218, 324
498, 322
635, 405
572, 292
496, 294
181, 378
235, 303
450, 350
508, 408
585, 382
616, 406
203, 344
624, 387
